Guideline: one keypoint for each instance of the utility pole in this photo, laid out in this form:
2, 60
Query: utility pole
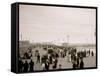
68, 38
21, 37
86, 40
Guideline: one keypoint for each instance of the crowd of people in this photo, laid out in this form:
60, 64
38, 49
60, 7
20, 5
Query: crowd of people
77, 57
25, 66
46, 62
50, 59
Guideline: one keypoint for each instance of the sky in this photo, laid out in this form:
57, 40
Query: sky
57, 24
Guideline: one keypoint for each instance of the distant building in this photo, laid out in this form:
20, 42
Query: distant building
23, 46
24, 43
65, 44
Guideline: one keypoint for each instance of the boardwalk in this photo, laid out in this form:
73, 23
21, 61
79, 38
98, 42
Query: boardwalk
88, 61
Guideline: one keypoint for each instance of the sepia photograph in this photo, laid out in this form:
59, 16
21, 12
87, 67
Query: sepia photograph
56, 38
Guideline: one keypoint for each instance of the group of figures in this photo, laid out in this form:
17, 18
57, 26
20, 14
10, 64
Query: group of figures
49, 61
25, 66
76, 57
